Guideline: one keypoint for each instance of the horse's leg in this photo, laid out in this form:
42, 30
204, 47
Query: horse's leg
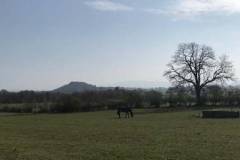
126, 115
119, 115
131, 114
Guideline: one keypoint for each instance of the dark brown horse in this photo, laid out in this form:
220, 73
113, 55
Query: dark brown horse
126, 110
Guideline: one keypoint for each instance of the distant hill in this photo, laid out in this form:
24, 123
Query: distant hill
75, 87
82, 86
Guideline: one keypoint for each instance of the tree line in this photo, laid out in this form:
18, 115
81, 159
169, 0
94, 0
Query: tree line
50, 102
75, 102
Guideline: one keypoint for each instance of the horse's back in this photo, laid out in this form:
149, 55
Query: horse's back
125, 109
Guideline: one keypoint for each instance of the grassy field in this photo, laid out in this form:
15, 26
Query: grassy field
101, 135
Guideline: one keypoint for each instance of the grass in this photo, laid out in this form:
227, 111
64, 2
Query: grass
101, 135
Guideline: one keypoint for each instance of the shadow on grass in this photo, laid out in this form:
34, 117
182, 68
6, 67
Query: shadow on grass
161, 110
180, 109
16, 114
114, 118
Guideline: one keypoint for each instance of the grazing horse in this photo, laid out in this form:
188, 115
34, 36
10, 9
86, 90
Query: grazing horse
126, 110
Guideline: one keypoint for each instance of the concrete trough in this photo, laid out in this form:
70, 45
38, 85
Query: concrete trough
220, 114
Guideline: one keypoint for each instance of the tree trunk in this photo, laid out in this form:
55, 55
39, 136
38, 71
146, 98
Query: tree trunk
198, 96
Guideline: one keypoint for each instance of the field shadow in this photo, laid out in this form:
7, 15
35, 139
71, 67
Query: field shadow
16, 114
162, 110
180, 109
114, 118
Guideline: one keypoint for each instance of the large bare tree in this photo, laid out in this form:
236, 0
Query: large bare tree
198, 66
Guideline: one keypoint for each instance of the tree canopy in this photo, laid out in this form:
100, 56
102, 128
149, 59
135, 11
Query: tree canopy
196, 65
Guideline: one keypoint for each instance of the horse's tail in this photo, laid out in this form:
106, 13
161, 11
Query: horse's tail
118, 110
131, 112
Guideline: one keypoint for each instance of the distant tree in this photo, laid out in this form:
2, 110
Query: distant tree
69, 103
230, 96
197, 65
237, 95
214, 94
179, 96
134, 98
154, 97
171, 97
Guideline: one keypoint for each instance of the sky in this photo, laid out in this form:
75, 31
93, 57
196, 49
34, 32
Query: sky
46, 44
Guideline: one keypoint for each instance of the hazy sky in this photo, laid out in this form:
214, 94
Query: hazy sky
47, 43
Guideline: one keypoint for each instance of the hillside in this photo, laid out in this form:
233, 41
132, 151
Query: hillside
75, 87
82, 86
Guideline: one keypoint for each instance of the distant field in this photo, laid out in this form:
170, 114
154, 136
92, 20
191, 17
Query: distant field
101, 135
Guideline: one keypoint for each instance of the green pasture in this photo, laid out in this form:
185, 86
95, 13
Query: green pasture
151, 134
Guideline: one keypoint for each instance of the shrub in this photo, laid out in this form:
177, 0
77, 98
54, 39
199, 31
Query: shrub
5, 109
43, 108
15, 109
53, 108
28, 107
